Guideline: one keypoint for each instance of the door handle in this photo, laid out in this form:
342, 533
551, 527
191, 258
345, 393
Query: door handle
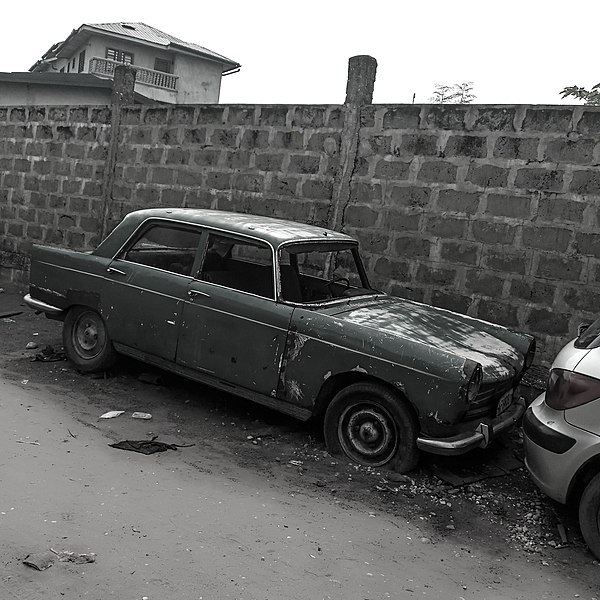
193, 293
113, 270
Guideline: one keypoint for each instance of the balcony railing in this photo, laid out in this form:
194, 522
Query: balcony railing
106, 67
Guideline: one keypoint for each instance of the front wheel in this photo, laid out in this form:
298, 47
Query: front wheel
372, 426
589, 515
86, 340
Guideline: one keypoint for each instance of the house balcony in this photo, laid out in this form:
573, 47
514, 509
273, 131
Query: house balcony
106, 68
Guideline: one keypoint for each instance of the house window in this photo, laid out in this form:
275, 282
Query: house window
163, 65
73, 64
81, 65
120, 56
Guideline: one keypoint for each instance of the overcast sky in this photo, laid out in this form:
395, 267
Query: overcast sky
514, 51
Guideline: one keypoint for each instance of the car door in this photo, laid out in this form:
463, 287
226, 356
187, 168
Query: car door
232, 327
149, 281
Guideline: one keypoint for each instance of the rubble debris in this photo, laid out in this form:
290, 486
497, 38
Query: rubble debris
31, 346
40, 560
74, 557
28, 442
147, 446
48, 354
141, 415
111, 414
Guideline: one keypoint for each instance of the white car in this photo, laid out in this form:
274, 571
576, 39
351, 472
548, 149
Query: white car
562, 432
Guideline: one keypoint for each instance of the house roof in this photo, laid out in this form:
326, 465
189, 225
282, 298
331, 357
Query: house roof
137, 31
78, 80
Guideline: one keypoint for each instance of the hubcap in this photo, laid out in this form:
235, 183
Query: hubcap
368, 434
88, 336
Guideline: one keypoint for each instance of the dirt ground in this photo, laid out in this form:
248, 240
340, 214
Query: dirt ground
256, 508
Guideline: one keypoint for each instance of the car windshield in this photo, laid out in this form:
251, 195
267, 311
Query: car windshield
320, 272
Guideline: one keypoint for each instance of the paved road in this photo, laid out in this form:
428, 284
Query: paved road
164, 529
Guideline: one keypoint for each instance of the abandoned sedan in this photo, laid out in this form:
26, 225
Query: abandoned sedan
282, 313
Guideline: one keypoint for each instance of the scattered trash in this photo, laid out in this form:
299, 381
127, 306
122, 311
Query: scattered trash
78, 559
1, 290
296, 463
141, 415
111, 414
24, 381
31, 346
40, 561
153, 378
12, 313
27, 442
72, 434
147, 446
48, 354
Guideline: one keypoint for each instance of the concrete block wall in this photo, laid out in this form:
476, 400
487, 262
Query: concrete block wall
52, 162
272, 160
487, 210
491, 211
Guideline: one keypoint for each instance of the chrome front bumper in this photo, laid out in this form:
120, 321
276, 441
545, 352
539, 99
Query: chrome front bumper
40, 306
483, 434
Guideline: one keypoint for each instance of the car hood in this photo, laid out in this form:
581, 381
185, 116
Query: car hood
445, 330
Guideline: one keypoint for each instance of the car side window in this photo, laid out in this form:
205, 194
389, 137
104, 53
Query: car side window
242, 265
165, 247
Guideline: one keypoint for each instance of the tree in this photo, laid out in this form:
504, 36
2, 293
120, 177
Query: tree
590, 97
459, 93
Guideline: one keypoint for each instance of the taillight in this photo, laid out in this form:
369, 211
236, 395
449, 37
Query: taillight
566, 389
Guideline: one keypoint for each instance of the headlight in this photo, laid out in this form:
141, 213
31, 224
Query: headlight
474, 383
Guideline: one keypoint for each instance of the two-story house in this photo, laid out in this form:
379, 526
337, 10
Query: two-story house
167, 68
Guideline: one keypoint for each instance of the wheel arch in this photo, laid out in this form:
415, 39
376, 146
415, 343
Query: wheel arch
339, 381
583, 476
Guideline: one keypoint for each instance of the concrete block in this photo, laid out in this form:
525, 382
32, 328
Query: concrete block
210, 115
308, 117
466, 145
155, 116
177, 156
540, 179
494, 119
555, 208
284, 186
557, 267
451, 301
484, 283
391, 169
409, 197
255, 139
446, 116
458, 201
493, 232
498, 312
182, 115
304, 164
553, 120
587, 244
506, 260
460, 252
437, 172
548, 322
516, 148
272, 116
225, 137
517, 207
317, 188
487, 176
446, 227
419, 145
360, 216
194, 135
402, 117
546, 238
391, 269
290, 140
411, 247
577, 151
537, 291
585, 182
438, 276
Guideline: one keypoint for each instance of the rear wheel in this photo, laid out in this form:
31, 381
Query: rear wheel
86, 340
589, 515
372, 426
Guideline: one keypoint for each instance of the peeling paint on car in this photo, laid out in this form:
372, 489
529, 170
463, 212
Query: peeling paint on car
327, 376
299, 341
359, 369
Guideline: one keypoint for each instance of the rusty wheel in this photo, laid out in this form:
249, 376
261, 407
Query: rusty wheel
372, 426
86, 340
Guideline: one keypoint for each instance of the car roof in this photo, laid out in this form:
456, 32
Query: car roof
272, 230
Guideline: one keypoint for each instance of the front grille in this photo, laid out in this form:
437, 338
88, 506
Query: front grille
486, 402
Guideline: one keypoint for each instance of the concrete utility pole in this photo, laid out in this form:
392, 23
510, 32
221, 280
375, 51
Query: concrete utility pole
359, 92
123, 94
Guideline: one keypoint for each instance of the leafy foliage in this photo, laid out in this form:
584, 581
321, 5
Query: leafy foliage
590, 97
459, 93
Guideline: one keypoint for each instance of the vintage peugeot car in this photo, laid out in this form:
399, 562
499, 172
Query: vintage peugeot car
282, 313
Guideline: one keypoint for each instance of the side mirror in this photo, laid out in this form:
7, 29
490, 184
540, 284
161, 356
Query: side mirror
582, 327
